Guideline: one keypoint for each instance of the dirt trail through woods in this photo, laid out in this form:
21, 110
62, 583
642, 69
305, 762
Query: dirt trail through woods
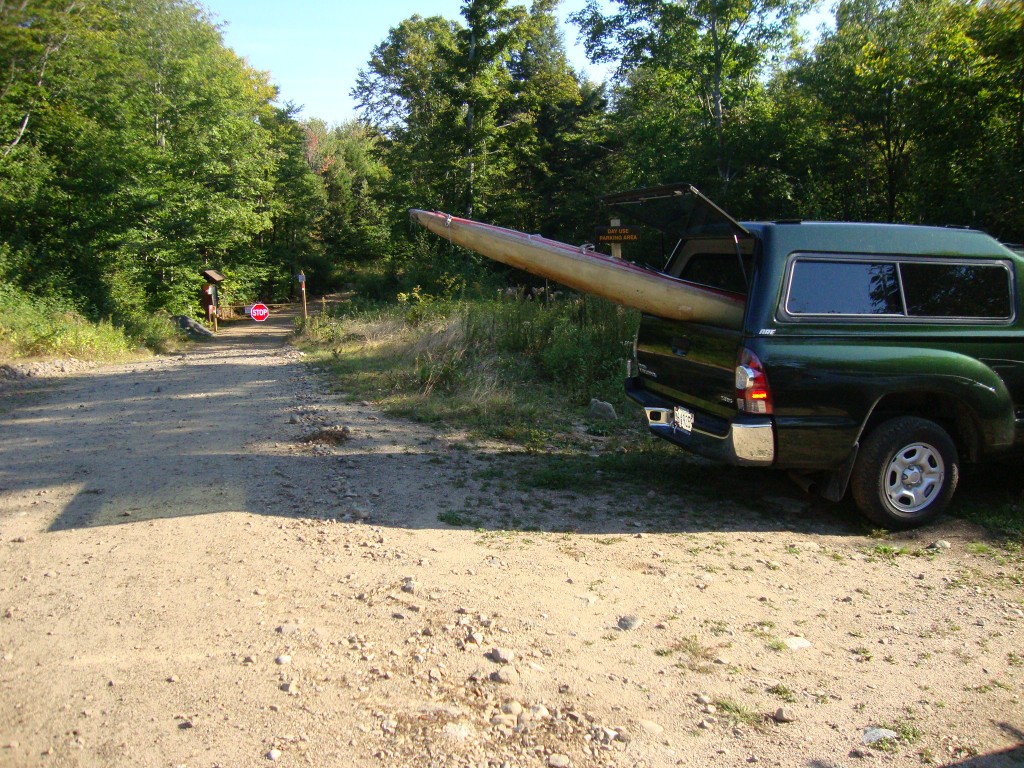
206, 560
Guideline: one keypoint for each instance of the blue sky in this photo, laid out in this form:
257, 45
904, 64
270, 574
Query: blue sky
314, 48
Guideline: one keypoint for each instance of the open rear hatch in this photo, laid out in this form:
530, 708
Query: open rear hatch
679, 210
691, 363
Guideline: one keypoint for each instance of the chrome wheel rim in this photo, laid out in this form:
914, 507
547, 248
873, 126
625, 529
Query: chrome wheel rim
914, 477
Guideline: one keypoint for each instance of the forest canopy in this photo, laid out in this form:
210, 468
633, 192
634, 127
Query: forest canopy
136, 149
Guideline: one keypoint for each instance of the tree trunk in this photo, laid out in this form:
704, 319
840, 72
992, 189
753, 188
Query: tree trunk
468, 152
716, 100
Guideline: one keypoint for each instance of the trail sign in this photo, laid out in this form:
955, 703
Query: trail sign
259, 312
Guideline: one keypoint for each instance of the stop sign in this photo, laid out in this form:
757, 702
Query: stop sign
259, 312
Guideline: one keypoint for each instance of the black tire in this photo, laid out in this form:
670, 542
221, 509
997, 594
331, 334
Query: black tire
906, 472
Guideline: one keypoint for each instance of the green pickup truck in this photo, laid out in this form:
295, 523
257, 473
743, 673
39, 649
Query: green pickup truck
871, 357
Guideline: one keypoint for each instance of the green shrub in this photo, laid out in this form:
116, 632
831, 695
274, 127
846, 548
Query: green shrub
154, 332
499, 366
34, 326
320, 327
577, 343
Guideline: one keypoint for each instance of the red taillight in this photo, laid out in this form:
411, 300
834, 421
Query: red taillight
752, 392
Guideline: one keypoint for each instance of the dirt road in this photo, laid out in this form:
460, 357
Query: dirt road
206, 560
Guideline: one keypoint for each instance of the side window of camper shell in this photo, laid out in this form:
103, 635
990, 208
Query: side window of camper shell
888, 287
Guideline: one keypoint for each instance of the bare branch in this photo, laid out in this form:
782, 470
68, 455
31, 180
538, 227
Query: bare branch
21, 132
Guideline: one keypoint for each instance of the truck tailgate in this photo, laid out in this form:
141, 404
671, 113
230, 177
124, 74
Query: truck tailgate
699, 358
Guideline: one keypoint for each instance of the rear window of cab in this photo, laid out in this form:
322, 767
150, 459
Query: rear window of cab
886, 287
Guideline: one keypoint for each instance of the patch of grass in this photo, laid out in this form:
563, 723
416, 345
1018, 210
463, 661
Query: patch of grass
457, 519
783, 692
888, 552
572, 550
1001, 512
154, 332
862, 653
907, 733
716, 627
988, 687
761, 630
890, 745
697, 656
739, 714
497, 367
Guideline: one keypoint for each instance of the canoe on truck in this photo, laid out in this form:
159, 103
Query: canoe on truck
582, 268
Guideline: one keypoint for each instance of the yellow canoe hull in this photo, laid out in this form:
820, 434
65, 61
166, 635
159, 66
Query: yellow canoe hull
585, 270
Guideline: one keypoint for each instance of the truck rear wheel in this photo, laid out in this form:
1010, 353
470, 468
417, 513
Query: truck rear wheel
906, 472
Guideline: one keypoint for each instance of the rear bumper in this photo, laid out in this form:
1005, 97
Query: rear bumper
746, 441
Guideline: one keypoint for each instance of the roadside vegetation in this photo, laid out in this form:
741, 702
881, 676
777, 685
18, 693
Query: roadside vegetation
509, 368
33, 326
985, 499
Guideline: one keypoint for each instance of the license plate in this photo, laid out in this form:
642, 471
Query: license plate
683, 419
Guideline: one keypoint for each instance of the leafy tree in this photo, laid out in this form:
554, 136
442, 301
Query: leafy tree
947, 120
297, 206
405, 94
553, 136
918, 98
354, 228
705, 57
144, 151
435, 90
864, 74
998, 28
479, 64
32, 35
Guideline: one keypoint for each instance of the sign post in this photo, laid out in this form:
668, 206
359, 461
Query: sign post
259, 312
301, 277
616, 247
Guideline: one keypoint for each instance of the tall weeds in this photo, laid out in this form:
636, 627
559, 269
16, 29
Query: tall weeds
578, 344
498, 365
32, 326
